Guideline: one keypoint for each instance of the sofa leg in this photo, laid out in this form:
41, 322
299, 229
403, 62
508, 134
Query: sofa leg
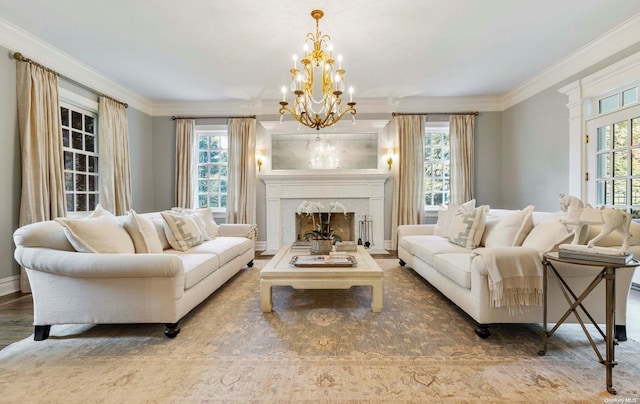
172, 330
620, 332
41, 332
250, 264
483, 331
402, 263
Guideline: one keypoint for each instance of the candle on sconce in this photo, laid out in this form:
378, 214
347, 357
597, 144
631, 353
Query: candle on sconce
350, 94
295, 58
284, 92
339, 61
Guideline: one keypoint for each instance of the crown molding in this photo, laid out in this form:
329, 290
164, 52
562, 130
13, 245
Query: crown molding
616, 40
18, 40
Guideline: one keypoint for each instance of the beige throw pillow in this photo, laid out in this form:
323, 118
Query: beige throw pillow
209, 221
548, 236
101, 234
511, 230
143, 233
445, 218
181, 230
467, 227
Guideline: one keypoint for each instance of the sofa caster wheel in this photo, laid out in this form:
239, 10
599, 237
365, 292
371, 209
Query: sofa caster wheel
41, 332
171, 330
250, 264
483, 331
402, 263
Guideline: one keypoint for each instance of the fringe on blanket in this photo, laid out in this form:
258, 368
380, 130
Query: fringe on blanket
525, 297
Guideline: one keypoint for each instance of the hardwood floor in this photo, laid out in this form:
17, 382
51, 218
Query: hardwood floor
16, 316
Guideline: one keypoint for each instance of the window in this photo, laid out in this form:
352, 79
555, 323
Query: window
615, 159
436, 164
613, 102
212, 177
80, 149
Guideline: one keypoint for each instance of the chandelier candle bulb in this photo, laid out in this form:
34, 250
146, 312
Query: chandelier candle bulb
284, 92
339, 62
350, 94
295, 60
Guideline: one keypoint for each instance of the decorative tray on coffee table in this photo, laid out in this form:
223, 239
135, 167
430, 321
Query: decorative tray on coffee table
324, 261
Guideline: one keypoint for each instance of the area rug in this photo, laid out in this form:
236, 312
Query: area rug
317, 346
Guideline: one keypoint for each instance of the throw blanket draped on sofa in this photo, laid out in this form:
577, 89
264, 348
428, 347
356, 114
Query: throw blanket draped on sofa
515, 277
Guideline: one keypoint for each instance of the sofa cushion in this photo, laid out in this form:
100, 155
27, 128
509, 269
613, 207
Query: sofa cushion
226, 248
181, 230
426, 250
511, 230
100, 234
467, 227
196, 266
408, 242
455, 266
547, 236
143, 233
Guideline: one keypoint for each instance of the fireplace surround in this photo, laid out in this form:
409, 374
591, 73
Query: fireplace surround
360, 191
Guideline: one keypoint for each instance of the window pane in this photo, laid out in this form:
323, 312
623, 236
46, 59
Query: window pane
202, 171
608, 104
203, 143
64, 116
224, 171
89, 143
65, 137
68, 181
93, 187
214, 157
224, 157
88, 124
81, 203
428, 199
223, 202
437, 170
81, 162
436, 139
428, 170
427, 153
68, 160
92, 202
76, 120
81, 182
635, 192
76, 140
202, 157
223, 186
436, 154
445, 140
604, 138
635, 131
604, 165
93, 164
438, 198
69, 202
203, 201
635, 161
203, 186
620, 192
620, 134
428, 184
437, 185
214, 171
630, 96
427, 139
620, 163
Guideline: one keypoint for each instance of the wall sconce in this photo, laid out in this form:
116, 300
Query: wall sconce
390, 152
259, 154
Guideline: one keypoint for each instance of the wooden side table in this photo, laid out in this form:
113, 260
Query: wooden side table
608, 273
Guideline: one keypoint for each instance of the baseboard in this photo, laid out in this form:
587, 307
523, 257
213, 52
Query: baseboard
9, 285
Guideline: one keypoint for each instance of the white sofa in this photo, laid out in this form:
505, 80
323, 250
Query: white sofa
461, 275
71, 287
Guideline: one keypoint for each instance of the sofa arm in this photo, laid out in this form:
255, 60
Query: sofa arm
84, 265
249, 231
415, 230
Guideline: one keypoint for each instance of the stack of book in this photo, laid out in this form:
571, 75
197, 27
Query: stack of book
346, 246
595, 254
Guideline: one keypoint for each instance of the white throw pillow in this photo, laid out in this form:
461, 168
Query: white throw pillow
467, 227
181, 230
511, 230
548, 236
209, 221
143, 233
101, 234
448, 218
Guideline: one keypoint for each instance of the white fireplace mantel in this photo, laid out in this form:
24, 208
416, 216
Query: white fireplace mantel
361, 188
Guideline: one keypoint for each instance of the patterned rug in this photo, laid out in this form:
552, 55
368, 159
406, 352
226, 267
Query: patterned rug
317, 346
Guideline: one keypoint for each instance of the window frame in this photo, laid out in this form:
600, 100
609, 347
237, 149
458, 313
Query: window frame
78, 103
438, 127
219, 212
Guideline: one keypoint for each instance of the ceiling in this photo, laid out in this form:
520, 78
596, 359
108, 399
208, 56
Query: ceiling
210, 50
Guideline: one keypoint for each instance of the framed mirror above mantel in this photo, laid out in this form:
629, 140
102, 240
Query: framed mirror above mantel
290, 148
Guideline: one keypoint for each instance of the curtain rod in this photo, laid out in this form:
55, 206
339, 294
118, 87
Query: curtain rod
18, 56
173, 118
476, 113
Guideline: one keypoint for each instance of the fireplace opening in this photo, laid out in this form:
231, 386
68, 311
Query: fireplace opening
343, 225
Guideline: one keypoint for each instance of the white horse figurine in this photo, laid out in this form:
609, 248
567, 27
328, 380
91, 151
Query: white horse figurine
579, 216
611, 219
573, 207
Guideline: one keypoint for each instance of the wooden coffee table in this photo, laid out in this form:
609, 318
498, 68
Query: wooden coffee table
278, 272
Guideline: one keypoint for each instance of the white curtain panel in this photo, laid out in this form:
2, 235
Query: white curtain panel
461, 129
408, 174
241, 188
42, 196
186, 163
114, 163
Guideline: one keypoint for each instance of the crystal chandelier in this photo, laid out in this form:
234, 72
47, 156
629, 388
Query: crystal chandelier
317, 86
